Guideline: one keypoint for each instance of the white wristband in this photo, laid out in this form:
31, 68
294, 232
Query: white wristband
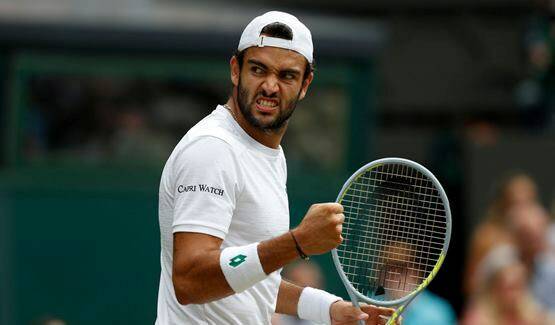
314, 305
241, 267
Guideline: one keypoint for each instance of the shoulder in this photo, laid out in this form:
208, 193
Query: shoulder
205, 150
213, 131
206, 159
211, 136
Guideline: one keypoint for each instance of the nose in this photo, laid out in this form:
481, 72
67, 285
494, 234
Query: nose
270, 85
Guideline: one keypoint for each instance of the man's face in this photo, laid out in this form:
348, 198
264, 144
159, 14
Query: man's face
269, 85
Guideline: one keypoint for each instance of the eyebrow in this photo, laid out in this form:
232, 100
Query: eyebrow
256, 62
263, 66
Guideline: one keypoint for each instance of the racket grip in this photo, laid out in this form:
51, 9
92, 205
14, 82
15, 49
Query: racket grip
360, 322
355, 303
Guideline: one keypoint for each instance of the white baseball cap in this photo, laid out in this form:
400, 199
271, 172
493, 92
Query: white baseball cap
301, 42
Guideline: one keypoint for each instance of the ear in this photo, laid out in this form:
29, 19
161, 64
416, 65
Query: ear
306, 83
234, 70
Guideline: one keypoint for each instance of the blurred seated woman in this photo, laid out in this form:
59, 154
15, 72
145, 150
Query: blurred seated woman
503, 296
530, 228
517, 189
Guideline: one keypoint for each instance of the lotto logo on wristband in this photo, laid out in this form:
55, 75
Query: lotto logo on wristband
237, 260
241, 267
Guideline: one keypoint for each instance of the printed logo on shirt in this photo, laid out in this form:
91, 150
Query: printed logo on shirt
237, 260
200, 188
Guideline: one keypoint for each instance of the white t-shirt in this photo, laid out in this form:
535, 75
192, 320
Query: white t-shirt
220, 181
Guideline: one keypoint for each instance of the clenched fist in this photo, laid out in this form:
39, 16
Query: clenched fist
320, 230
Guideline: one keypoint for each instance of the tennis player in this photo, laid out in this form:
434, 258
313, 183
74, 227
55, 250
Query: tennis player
223, 210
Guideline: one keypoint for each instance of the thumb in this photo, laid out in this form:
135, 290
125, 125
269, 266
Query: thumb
358, 314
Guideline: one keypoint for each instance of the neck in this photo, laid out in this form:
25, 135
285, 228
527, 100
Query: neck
270, 139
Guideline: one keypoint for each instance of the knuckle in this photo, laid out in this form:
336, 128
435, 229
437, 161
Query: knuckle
326, 207
335, 207
341, 217
336, 220
339, 207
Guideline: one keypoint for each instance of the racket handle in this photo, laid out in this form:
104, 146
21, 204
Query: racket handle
355, 303
361, 322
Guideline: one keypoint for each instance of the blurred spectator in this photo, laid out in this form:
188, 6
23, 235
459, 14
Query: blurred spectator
503, 296
518, 189
529, 225
429, 308
305, 274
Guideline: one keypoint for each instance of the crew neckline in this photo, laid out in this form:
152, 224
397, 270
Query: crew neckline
244, 135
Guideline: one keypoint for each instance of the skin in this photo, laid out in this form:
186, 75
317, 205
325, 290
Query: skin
275, 76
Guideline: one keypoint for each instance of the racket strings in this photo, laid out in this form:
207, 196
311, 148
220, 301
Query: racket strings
394, 230
434, 229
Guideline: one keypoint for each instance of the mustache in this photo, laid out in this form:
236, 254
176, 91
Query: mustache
263, 93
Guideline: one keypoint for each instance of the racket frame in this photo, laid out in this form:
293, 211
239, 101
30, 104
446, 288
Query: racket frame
356, 296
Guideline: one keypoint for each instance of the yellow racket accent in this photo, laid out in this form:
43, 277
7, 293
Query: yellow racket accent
421, 287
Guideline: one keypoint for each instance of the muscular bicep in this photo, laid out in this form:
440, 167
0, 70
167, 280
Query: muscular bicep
190, 248
197, 275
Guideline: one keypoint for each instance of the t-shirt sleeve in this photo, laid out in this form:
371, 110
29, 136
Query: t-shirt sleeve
205, 188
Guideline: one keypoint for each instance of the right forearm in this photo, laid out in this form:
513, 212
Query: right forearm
277, 252
318, 233
202, 278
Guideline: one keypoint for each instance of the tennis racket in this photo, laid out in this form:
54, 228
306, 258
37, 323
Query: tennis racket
395, 235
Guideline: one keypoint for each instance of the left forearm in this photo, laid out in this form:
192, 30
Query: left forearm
288, 298
322, 307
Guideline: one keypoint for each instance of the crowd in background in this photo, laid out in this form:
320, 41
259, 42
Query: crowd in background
510, 272
510, 267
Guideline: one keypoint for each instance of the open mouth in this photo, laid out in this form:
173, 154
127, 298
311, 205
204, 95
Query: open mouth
266, 105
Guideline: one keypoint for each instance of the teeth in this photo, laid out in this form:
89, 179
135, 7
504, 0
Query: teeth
267, 103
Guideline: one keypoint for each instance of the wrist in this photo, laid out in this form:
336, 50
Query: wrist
241, 267
277, 252
315, 305
298, 247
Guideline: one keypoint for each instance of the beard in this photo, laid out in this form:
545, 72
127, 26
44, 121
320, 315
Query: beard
243, 96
